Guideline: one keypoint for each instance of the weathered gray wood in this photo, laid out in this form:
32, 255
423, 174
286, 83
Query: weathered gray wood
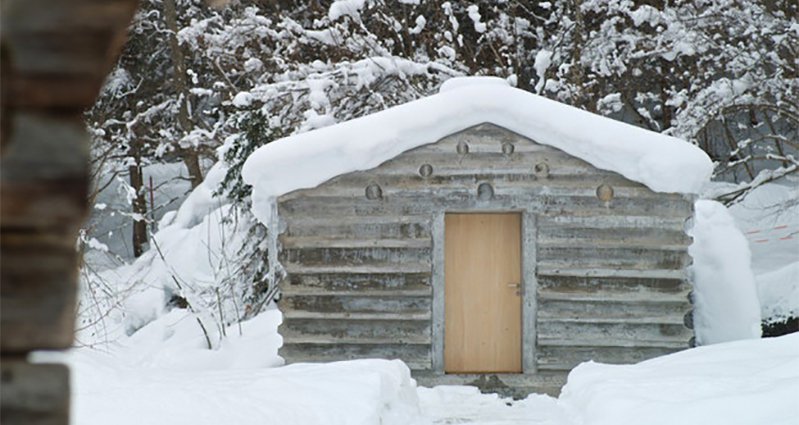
55, 56
412, 352
529, 292
605, 278
416, 203
374, 228
612, 258
34, 393
378, 268
354, 256
613, 334
613, 311
674, 240
310, 242
337, 328
547, 268
345, 281
614, 286
438, 305
554, 358
60, 52
356, 302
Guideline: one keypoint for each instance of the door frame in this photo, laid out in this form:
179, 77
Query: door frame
529, 286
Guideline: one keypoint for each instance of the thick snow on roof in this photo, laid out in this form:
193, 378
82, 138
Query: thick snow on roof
663, 163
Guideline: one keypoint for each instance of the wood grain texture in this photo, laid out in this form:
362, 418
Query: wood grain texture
482, 300
34, 393
55, 56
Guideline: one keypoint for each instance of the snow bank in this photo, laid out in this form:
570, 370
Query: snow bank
738, 383
725, 299
176, 341
195, 248
362, 392
779, 293
663, 163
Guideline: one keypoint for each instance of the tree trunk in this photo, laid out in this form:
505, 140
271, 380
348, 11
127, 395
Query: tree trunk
139, 202
190, 156
192, 161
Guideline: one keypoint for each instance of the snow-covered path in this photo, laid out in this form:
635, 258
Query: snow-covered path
465, 405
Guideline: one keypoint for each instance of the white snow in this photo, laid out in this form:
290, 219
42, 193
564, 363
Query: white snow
363, 392
738, 383
779, 293
543, 59
420, 23
769, 218
663, 163
351, 8
242, 99
726, 306
474, 15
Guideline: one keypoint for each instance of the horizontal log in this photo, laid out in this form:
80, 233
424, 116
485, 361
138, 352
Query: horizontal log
344, 257
374, 227
38, 291
60, 52
508, 184
560, 358
612, 258
418, 203
546, 268
613, 334
35, 394
644, 238
294, 316
612, 311
617, 288
384, 268
364, 344
415, 303
614, 222
411, 328
345, 281
289, 242
353, 292
417, 354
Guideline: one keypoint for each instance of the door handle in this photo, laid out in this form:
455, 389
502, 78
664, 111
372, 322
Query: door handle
517, 286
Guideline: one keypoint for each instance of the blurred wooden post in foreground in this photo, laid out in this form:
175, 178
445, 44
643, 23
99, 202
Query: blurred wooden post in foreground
55, 56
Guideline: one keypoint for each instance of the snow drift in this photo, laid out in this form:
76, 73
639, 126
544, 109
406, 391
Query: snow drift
725, 296
738, 383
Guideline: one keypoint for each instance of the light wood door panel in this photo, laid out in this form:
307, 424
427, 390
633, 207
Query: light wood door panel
482, 307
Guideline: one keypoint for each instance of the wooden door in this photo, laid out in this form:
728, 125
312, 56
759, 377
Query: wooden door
482, 274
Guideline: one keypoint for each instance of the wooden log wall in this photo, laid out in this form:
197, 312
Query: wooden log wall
358, 252
55, 56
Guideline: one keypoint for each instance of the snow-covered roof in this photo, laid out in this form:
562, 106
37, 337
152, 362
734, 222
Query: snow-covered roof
663, 163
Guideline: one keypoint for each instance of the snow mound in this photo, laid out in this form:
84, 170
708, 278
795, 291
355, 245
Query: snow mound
726, 306
779, 293
663, 163
738, 383
361, 392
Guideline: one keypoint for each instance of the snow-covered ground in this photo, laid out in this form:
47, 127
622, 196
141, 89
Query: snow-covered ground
164, 375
